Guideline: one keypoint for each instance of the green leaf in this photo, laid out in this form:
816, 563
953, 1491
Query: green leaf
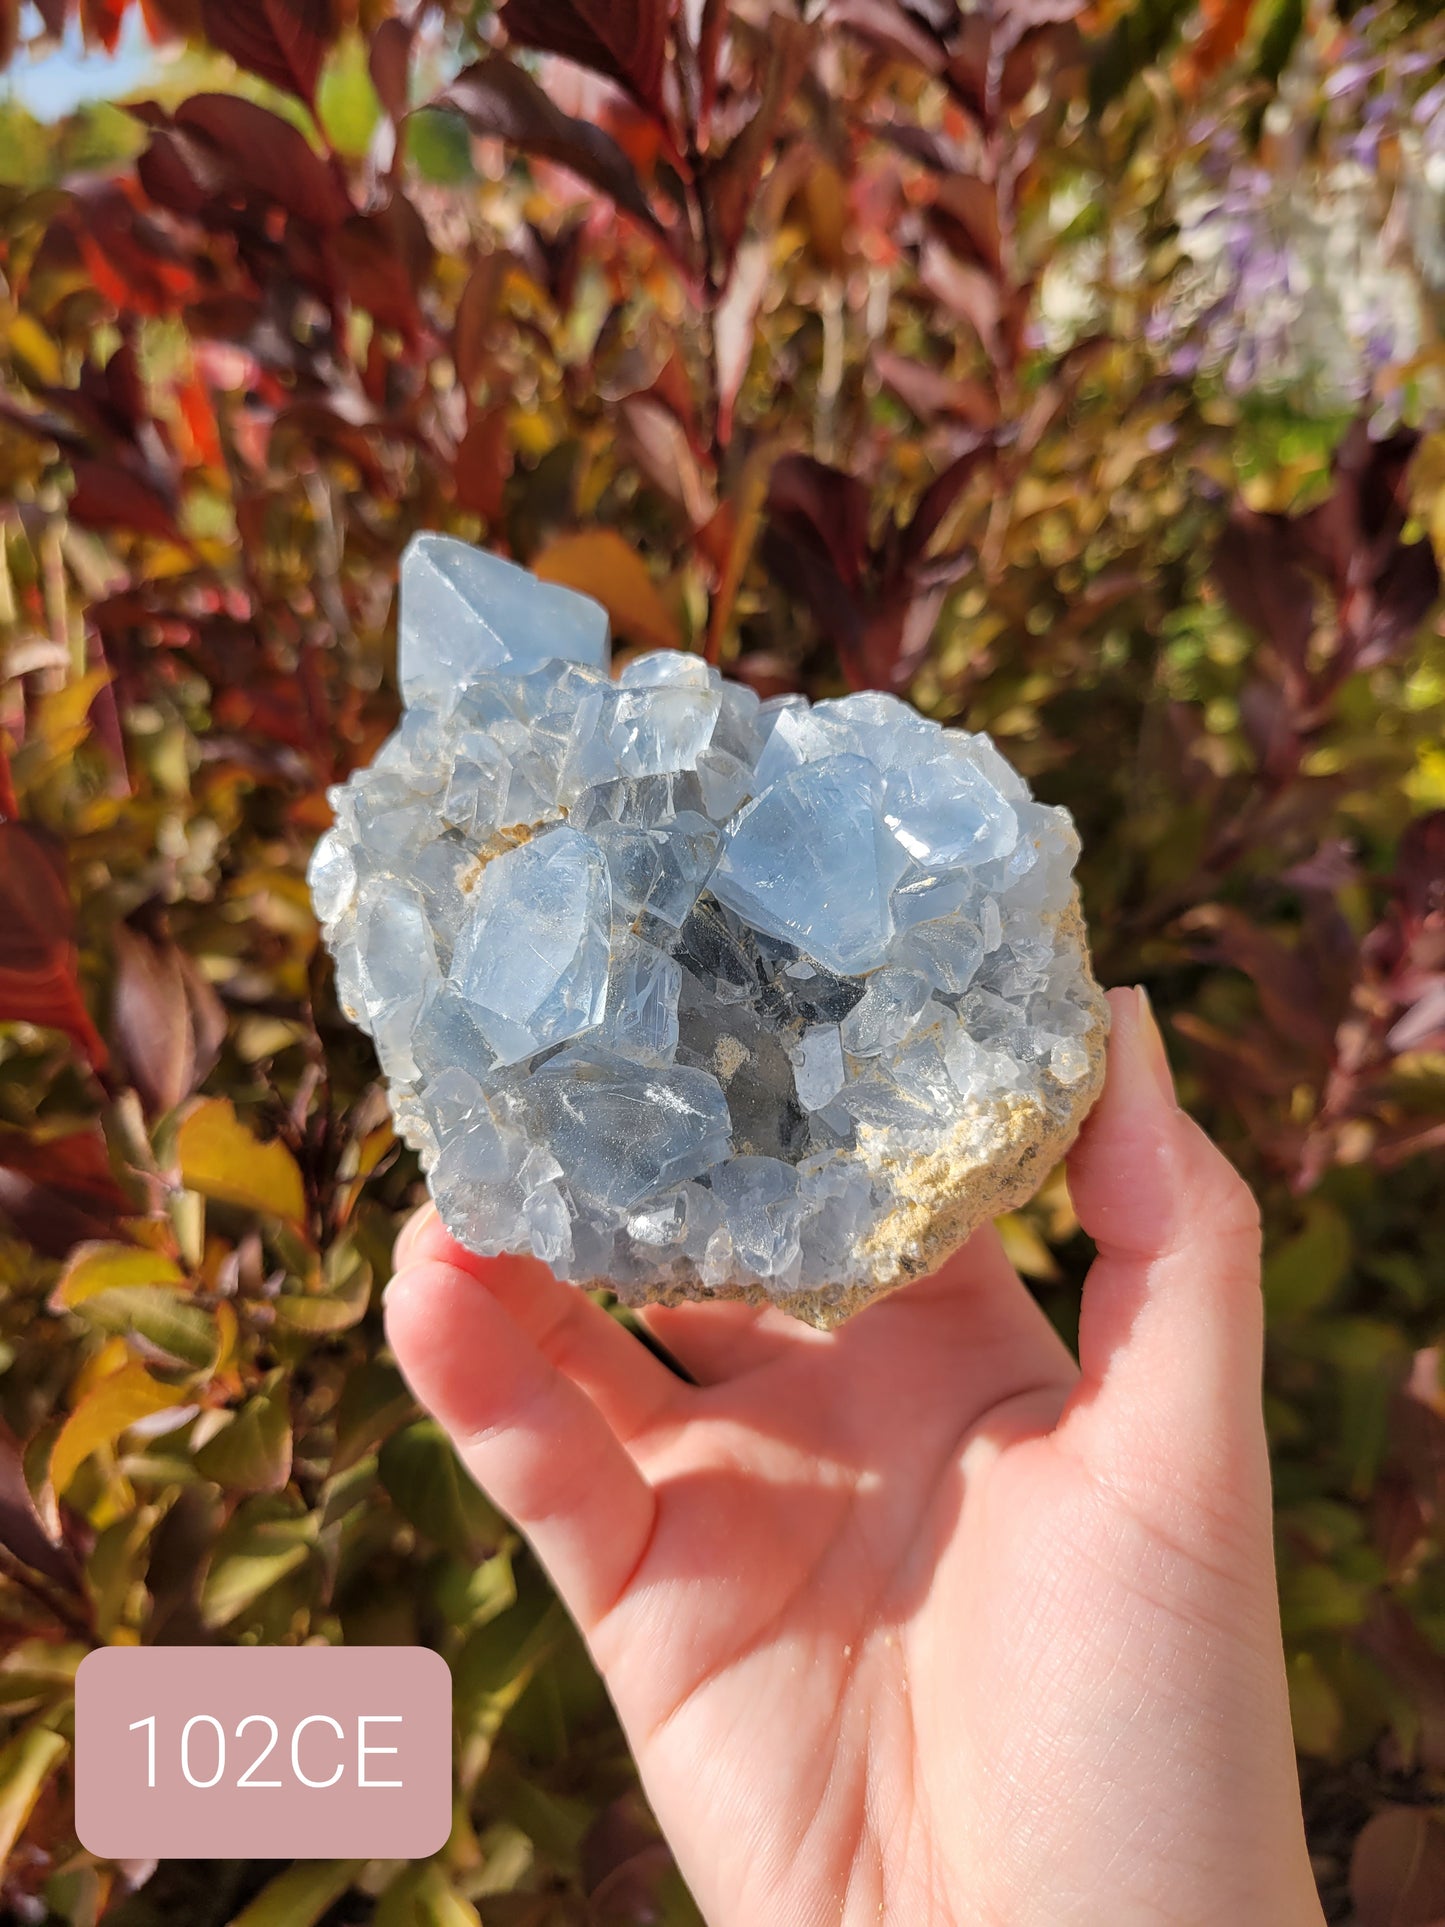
439, 147
116, 1567
165, 1320
500, 1657
263, 1542
1139, 36
1314, 1706
1281, 34
374, 1401
38, 1673
430, 1487
301, 1895
253, 1452
421, 1897
25, 1765
1308, 1269
347, 104
220, 1157
1315, 1599
343, 1302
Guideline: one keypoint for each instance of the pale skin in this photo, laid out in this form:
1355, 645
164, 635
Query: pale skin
923, 1622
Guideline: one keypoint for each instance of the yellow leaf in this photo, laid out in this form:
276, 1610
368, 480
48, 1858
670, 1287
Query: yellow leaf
600, 564
100, 1267
102, 1415
62, 718
35, 348
1026, 1250
25, 1765
114, 1355
220, 1158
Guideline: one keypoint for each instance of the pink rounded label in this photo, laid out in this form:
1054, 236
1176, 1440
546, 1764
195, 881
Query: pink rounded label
263, 1752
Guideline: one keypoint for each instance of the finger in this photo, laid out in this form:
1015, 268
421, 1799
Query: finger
724, 1339
419, 1224
529, 1436
630, 1387
1171, 1331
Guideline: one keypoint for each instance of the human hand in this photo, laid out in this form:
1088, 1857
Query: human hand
921, 1622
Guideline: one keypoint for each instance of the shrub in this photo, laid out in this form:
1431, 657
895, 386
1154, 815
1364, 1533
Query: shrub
826, 352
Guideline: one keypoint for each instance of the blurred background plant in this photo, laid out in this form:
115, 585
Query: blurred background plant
1073, 369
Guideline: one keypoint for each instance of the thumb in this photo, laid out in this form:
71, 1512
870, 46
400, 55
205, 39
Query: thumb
1171, 1330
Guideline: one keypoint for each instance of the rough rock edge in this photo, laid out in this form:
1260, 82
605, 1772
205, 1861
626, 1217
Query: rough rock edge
947, 1193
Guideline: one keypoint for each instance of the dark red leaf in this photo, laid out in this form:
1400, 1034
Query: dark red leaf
109, 496
38, 981
1015, 18
284, 41
658, 443
386, 258
52, 14
711, 29
172, 19
22, 1531
267, 155
476, 313
180, 172
884, 25
102, 20
968, 292
1397, 1870
1419, 877
929, 392
1395, 1640
1257, 565
939, 498
731, 183
390, 63
1423, 1025
500, 102
135, 264
59, 1191
483, 463
1402, 594
897, 633
825, 505
624, 39
965, 210
167, 1022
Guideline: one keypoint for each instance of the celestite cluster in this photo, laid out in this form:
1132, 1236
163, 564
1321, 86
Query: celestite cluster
688, 993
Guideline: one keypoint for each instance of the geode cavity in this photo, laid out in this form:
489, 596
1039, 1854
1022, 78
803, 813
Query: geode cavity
694, 995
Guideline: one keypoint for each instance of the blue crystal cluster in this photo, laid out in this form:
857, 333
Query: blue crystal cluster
683, 991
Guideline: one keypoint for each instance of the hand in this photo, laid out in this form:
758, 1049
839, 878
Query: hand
921, 1621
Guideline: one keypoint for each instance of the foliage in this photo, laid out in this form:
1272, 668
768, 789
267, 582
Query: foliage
735, 323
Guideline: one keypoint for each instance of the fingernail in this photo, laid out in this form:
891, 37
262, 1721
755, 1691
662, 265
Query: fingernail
1155, 1054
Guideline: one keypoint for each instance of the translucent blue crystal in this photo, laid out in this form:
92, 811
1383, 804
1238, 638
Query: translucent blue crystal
621, 1131
811, 862
672, 987
531, 959
464, 612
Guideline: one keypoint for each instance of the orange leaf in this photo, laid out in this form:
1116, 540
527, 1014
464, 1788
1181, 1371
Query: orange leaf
600, 564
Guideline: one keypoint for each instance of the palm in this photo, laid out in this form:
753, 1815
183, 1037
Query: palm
912, 1622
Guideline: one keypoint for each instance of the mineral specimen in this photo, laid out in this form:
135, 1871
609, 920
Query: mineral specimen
690, 994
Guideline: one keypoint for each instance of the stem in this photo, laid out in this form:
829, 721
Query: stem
59, 1608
